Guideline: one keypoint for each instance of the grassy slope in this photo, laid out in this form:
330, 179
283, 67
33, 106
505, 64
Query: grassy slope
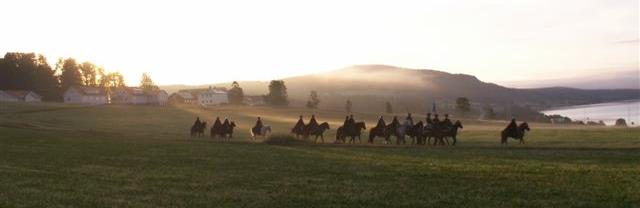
62, 155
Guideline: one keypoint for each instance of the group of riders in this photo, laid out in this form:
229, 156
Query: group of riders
220, 129
420, 132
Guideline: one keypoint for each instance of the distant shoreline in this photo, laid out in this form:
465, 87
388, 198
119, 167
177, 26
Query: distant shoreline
590, 105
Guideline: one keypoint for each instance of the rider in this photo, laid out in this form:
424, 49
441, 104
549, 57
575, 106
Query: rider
446, 121
313, 123
395, 120
512, 126
197, 123
381, 123
226, 122
258, 125
409, 119
436, 121
299, 125
429, 120
351, 120
217, 123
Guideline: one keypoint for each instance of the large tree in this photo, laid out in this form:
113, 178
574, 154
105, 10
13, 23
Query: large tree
69, 73
89, 74
147, 84
28, 71
235, 94
277, 94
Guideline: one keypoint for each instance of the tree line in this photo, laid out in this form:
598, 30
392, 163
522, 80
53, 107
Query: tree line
30, 71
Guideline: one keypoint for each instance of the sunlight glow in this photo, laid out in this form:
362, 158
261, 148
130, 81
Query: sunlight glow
198, 42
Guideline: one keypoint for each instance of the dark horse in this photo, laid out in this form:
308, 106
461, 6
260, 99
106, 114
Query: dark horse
225, 131
452, 131
518, 134
318, 131
386, 132
354, 132
198, 130
417, 133
299, 130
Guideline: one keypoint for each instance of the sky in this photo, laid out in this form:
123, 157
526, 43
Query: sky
201, 42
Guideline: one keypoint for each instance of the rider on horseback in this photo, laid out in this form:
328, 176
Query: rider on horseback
258, 125
217, 124
409, 119
299, 125
512, 127
381, 123
197, 123
429, 120
436, 121
313, 123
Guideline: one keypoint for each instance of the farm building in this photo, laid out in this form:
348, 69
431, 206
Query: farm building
213, 96
207, 96
138, 96
183, 97
19, 96
86, 95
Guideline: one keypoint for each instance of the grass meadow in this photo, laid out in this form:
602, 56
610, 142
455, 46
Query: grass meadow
57, 155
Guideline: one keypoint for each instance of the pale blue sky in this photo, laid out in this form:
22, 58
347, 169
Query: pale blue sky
193, 42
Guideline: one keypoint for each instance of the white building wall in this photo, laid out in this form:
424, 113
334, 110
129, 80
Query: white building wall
4, 97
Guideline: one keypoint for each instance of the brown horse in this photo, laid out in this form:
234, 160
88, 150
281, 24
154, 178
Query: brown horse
225, 131
319, 131
416, 133
198, 130
518, 134
384, 131
355, 132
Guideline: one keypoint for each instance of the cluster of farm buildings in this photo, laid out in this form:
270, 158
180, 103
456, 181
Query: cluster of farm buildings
131, 95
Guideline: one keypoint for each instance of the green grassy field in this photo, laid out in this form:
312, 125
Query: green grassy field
55, 155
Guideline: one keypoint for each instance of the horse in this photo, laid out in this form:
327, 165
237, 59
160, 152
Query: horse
262, 132
517, 135
356, 131
198, 130
319, 131
298, 130
225, 131
452, 132
384, 131
417, 133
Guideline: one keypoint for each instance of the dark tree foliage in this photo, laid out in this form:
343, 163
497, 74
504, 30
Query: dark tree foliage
463, 106
235, 94
388, 108
277, 94
349, 106
313, 101
28, 71
70, 73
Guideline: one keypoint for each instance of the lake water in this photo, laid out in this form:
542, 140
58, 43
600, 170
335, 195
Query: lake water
607, 112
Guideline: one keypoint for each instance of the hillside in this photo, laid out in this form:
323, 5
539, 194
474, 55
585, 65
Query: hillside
416, 88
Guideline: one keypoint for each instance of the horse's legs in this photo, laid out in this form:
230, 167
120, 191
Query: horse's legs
455, 140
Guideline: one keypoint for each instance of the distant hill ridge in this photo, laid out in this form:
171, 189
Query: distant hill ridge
424, 86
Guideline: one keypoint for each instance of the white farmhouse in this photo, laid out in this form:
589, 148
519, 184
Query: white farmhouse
86, 95
213, 96
19, 96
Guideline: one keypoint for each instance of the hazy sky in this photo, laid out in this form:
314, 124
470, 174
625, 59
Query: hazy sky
195, 42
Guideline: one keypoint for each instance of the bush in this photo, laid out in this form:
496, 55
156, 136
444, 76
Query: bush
282, 139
